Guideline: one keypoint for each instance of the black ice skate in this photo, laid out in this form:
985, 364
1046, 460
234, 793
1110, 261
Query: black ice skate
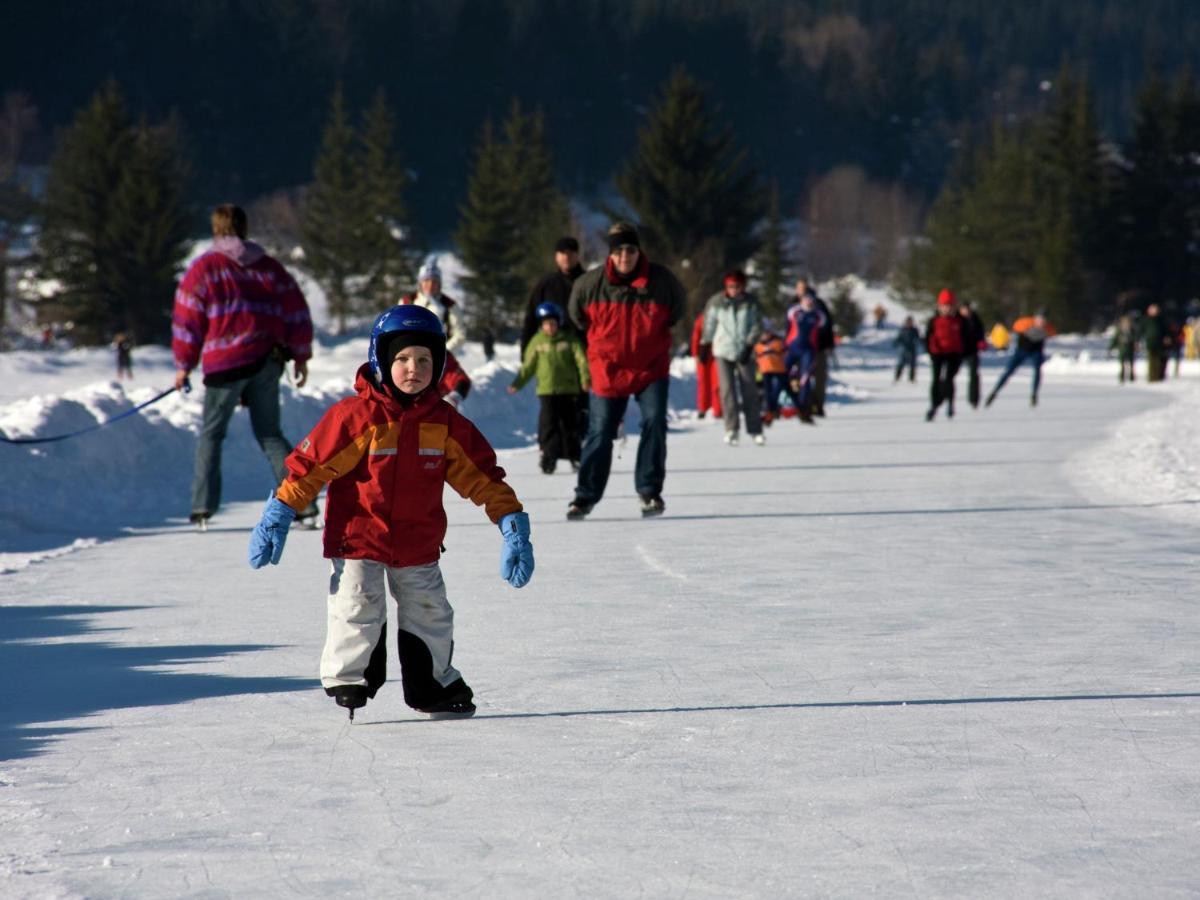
652, 506
200, 520
578, 510
457, 704
349, 696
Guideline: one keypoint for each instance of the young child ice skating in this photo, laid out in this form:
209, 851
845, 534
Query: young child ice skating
558, 361
385, 455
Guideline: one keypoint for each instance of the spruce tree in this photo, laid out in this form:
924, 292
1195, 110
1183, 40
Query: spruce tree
151, 219
770, 260
332, 216
113, 233
77, 244
690, 184
387, 242
17, 206
540, 211
486, 237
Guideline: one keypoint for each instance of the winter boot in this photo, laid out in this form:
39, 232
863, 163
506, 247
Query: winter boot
731, 438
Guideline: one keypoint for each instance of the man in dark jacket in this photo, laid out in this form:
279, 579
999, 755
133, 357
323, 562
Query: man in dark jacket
626, 308
1158, 343
973, 342
554, 288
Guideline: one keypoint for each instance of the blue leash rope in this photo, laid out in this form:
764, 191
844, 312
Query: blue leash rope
71, 434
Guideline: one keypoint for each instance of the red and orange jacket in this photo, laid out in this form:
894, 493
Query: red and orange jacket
385, 465
628, 325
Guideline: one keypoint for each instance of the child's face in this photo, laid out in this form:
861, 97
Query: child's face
550, 326
412, 369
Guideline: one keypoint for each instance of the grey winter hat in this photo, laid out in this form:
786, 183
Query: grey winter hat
429, 270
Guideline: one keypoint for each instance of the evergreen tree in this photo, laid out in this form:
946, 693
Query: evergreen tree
149, 215
17, 206
387, 242
113, 232
690, 184
541, 213
486, 237
332, 218
771, 258
76, 245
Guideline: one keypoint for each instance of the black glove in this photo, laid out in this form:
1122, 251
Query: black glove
744, 356
704, 354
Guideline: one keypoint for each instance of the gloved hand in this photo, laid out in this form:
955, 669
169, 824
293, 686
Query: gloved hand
744, 355
267, 539
454, 398
704, 353
516, 559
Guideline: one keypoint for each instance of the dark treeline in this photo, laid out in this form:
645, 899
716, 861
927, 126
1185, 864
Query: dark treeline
885, 86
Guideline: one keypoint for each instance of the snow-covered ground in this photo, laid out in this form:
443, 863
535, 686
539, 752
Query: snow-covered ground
878, 656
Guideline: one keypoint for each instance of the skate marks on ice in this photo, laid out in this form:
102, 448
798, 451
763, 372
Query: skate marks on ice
656, 565
817, 705
60, 665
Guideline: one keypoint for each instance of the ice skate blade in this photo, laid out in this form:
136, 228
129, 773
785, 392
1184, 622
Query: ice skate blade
465, 714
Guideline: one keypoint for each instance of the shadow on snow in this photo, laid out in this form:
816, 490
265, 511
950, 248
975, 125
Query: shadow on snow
53, 669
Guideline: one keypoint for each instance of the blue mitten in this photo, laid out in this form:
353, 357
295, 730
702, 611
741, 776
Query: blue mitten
516, 559
267, 539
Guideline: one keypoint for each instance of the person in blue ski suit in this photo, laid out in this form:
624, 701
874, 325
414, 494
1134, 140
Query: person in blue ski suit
805, 324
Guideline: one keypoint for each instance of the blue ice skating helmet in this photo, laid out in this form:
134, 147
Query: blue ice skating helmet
549, 310
405, 326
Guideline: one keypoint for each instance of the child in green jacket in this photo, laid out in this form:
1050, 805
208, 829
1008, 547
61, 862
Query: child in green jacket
558, 361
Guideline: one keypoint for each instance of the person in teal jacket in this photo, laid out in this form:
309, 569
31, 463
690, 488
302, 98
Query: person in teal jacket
559, 362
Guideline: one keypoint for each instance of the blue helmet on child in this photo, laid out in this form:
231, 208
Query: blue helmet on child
549, 310
400, 327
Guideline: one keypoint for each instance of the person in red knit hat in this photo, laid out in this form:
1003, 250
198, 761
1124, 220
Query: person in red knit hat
944, 342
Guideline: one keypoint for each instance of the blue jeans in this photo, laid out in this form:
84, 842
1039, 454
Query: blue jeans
1014, 362
604, 417
260, 393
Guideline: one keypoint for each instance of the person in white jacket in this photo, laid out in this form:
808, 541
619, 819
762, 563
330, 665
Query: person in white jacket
732, 324
429, 295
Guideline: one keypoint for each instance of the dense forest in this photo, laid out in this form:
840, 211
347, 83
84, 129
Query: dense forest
889, 87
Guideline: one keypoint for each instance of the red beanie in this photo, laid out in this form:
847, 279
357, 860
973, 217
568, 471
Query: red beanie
946, 297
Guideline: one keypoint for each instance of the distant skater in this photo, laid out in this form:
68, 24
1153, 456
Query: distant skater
1032, 332
944, 343
124, 347
907, 342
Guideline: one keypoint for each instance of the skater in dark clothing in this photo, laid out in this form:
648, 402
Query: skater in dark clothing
627, 308
944, 343
1032, 332
124, 347
907, 342
1157, 341
825, 346
1124, 342
553, 288
386, 455
974, 341
806, 321
558, 361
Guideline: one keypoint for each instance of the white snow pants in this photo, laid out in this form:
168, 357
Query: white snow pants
357, 619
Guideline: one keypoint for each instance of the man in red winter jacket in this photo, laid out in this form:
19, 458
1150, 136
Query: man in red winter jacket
240, 316
944, 341
626, 308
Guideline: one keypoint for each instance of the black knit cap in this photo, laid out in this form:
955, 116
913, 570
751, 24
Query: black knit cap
396, 341
622, 234
566, 245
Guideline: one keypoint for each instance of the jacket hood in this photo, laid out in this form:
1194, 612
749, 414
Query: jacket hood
244, 253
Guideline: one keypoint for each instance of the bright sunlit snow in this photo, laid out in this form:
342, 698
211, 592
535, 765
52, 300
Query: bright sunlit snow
877, 656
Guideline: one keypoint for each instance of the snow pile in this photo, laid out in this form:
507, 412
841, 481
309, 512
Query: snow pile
1151, 459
